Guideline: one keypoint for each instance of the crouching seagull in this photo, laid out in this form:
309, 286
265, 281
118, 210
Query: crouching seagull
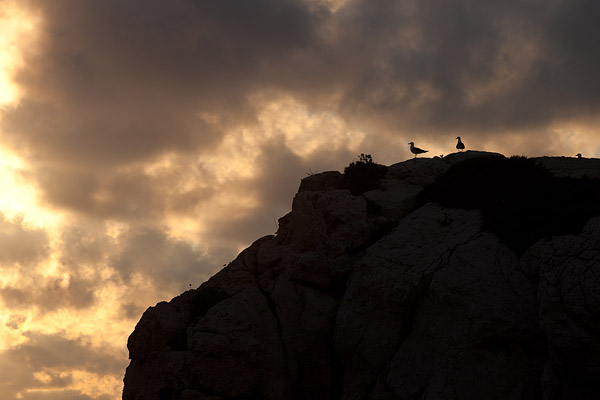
416, 150
460, 145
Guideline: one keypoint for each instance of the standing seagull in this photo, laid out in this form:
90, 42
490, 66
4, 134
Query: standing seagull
460, 145
416, 150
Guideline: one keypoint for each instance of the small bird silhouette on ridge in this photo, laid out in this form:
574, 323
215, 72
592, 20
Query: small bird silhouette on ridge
460, 145
578, 155
416, 150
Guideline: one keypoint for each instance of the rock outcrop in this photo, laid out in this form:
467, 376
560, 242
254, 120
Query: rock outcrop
403, 291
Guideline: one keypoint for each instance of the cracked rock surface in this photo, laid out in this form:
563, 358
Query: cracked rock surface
373, 296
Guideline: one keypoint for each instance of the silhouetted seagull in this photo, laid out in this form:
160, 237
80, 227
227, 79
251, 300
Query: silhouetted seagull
460, 145
416, 150
578, 155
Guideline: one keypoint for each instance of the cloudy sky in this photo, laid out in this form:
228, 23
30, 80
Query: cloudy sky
143, 143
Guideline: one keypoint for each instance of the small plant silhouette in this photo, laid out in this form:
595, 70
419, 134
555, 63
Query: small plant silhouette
362, 175
365, 158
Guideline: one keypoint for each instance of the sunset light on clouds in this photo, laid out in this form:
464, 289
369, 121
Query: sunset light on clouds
143, 144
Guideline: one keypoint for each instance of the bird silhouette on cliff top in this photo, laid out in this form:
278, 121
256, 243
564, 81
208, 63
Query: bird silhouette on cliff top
460, 146
416, 150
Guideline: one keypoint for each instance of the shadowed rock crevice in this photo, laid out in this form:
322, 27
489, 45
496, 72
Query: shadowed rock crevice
468, 276
288, 383
384, 372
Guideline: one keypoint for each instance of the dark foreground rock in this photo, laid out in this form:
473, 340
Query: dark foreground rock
390, 293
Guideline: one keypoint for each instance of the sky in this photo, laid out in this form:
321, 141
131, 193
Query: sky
144, 143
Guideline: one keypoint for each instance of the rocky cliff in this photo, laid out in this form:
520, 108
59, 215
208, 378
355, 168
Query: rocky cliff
472, 276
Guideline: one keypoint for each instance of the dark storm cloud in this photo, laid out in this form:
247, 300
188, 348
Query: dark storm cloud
20, 244
151, 252
128, 194
77, 293
84, 244
50, 353
115, 83
134, 311
55, 351
483, 65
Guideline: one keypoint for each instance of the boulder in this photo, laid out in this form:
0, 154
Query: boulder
383, 294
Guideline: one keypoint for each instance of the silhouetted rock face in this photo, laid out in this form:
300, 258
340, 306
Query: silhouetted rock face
387, 294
